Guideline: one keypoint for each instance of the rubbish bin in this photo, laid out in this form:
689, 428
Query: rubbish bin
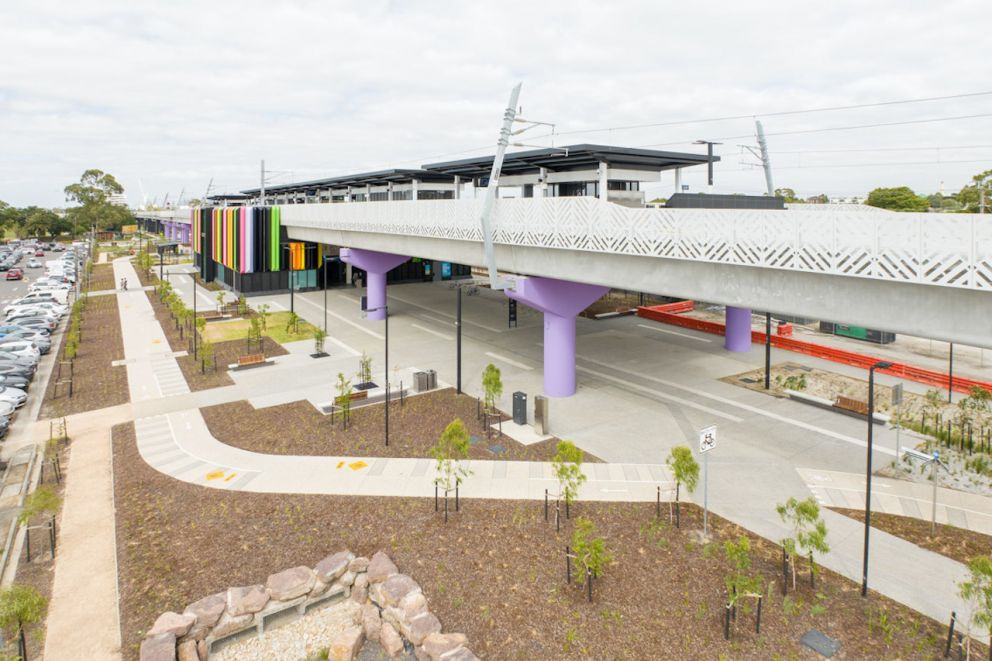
520, 408
541, 414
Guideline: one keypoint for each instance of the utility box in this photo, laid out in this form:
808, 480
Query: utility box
541, 415
424, 381
520, 408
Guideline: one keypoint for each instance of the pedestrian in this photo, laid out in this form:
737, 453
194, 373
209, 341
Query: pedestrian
122, 284
125, 284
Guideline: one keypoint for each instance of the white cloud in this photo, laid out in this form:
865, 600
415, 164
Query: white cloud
175, 94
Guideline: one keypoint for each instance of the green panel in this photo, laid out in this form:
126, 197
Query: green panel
858, 332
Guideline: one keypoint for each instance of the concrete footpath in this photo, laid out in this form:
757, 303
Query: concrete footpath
626, 410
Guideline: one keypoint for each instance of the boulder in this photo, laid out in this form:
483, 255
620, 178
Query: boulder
174, 623
231, 623
202, 649
290, 583
437, 644
412, 605
422, 626
246, 600
160, 647
346, 579
319, 588
187, 651
371, 622
333, 566
396, 587
459, 654
380, 568
360, 590
390, 640
358, 565
346, 645
207, 610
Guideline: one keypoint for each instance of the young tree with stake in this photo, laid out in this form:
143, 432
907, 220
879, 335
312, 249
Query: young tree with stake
567, 466
492, 386
590, 553
449, 451
685, 470
20, 605
343, 398
977, 591
809, 533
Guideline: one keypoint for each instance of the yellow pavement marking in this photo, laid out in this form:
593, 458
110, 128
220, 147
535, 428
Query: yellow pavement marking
230, 477
358, 465
215, 475
156, 341
340, 464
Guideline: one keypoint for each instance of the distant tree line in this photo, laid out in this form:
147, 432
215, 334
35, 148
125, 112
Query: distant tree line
92, 208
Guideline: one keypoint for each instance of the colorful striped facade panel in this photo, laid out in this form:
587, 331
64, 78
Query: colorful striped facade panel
248, 240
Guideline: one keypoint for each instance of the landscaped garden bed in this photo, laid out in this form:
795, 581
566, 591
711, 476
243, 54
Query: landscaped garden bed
414, 427
225, 353
495, 572
955, 543
96, 382
102, 278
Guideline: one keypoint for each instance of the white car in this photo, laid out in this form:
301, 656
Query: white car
53, 310
59, 296
33, 263
14, 396
23, 349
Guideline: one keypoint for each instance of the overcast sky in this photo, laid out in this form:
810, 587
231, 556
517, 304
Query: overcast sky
167, 96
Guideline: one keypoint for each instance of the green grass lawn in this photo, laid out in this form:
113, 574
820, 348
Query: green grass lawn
222, 331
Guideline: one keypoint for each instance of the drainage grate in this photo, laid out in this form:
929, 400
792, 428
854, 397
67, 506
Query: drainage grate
820, 643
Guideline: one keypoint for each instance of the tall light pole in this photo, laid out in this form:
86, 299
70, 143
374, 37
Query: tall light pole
458, 343
709, 161
880, 365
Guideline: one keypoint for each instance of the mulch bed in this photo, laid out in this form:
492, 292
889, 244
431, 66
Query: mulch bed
955, 543
494, 572
299, 429
103, 278
225, 353
40, 572
96, 383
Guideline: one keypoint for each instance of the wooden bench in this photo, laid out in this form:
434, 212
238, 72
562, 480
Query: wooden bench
252, 359
358, 394
851, 404
209, 314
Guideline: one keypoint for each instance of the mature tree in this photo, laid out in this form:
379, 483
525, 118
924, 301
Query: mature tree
92, 195
787, 194
901, 198
970, 196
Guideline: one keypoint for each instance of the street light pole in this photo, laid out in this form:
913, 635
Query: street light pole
871, 422
325, 294
458, 343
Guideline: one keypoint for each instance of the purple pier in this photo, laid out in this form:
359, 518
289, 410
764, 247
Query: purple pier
376, 265
560, 301
738, 334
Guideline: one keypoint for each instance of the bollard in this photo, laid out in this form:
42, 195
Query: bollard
456, 497
435, 497
726, 622
657, 505
757, 622
568, 565
589, 583
950, 635
785, 572
545, 505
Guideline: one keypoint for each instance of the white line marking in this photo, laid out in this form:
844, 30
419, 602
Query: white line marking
445, 314
344, 346
671, 332
661, 395
433, 332
506, 360
747, 407
345, 320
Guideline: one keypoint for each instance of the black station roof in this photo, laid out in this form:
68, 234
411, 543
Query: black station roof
377, 178
574, 157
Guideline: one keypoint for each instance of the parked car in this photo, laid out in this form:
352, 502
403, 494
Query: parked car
15, 396
21, 350
59, 297
49, 308
14, 274
45, 323
16, 370
39, 253
34, 264
15, 381
20, 315
39, 341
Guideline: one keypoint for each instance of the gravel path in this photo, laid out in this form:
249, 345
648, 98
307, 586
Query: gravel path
297, 640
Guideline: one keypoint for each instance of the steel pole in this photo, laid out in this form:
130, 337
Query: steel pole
871, 415
195, 330
458, 341
950, 372
706, 493
933, 507
386, 307
768, 350
325, 296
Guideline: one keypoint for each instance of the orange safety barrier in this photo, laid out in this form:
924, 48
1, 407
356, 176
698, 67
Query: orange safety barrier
676, 307
902, 370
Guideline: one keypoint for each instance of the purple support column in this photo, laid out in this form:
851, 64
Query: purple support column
376, 265
738, 334
560, 301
